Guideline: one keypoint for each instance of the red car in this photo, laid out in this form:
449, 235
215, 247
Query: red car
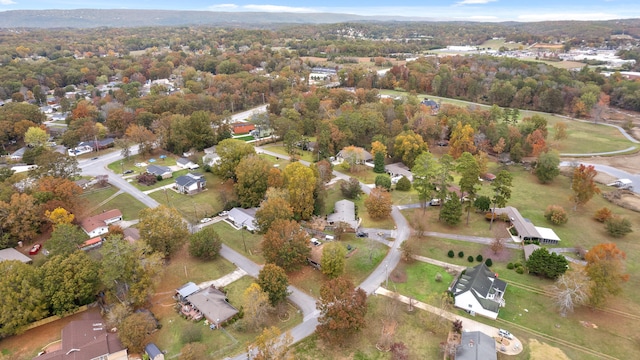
34, 250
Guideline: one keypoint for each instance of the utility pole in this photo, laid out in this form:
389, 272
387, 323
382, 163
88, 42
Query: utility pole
244, 243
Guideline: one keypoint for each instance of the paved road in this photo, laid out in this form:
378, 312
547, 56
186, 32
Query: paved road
245, 115
620, 174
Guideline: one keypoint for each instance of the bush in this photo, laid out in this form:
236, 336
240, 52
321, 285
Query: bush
451, 254
490, 215
470, 258
383, 181
438, 277
518, 264
618, 226
510, 266
520, 270
488, 262
461, 254
603, 214
147, 179
556, 215
479, 258
403, 184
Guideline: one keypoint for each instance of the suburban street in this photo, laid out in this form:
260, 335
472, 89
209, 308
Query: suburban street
620, 174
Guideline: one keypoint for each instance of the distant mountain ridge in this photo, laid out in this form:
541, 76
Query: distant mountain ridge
90, 18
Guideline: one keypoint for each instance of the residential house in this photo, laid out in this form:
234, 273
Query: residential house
522, 229
87, 339
239, 218
361, 155
479, 291
153, 352
18, 154
242, 128
92, 243
191, 183
344, 212
399, 170
13, 254
210, 159
210, 303
99, 224
431, 105
476, 345
186, 164
158, 170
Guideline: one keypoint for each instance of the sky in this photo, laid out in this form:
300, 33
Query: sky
469, 10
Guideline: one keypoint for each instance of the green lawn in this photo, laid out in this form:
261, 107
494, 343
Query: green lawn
129, 206
194, 207
236, 239
279, 148
420, 283
161, 183
120, 166
95, 197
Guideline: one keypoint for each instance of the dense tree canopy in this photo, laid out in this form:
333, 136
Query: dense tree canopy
286, 244
342, 310
163, 229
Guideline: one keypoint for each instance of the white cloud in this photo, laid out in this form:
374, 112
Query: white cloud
474, 2
568, 16
223, 7
279, 8
7, 2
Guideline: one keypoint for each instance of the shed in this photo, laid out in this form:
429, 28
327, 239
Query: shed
153, 352
13, 254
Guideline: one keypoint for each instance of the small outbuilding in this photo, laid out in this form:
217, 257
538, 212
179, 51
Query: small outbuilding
153, 352
13, 254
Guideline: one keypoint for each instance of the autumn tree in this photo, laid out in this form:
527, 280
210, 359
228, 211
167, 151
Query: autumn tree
469, 178
251, 184
350, 189
583, 184
407, 146
271, 345
70, 281
65, 239
142, 136
231, 151
536, 142
270, 210
135, 329
547, 167
36, 137
59, 216
606, 268
205, 244
128, 270
22, 217
286, 244
53, 192
342, 310
300, 182
352, 156
163, 229
274, 281
461, 140
378, 203
560, 131
275, 178
256, 306
425, 174
21, 299
333, 259
57, 165
570, 290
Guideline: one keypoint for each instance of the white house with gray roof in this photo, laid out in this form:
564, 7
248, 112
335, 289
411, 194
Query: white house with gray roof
479, 291
191, 183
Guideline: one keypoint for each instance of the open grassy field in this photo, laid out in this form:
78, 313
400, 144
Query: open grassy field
194, 207
583, 137
129, 206
236, 239
420, 283
280, 149
496, 44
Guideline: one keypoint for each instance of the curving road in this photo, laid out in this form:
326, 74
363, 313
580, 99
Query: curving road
620, 174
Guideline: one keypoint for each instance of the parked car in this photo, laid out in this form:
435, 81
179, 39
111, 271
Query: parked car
128, 172
435, 202
34, 249
223, 213
505, 334
315, 242
362, 234
205, 220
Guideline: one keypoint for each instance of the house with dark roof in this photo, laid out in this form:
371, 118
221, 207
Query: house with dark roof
476, 345
479, 291
344, 212
432, 105
153, 352
87, 339
525, 230
99, 224
358, 156
159, 170
191, 183
210, 303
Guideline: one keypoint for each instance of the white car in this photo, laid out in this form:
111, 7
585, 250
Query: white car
505, 334
206, 220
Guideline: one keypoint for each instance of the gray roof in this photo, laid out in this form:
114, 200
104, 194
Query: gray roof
241, 216
152, 350
525, 228
476, 345
183, 161
20, 152
344, 211
188, 289
189, 179
399, 169
529, 249
212, 303
481, 281
158, 169
13, 254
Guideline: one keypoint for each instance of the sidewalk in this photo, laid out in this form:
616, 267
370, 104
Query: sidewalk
442, 264
225, 280
514, 348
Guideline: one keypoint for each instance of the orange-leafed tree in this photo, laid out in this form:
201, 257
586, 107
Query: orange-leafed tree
342, 310
378, 203
286, 244
583, 185
537, 142
59, 216
461, 140
606, 268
